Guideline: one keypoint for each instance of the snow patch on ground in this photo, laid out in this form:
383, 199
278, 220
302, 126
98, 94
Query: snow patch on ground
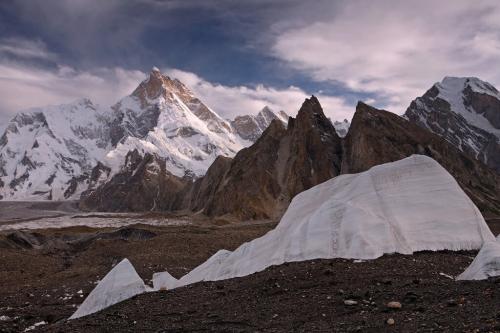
486, 264
121, 283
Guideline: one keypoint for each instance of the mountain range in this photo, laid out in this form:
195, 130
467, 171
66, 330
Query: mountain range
49, 153
162, 148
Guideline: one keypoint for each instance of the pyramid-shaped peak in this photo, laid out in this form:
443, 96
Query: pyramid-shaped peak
310, 107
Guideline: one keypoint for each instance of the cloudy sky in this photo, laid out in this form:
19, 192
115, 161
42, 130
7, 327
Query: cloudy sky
241, 55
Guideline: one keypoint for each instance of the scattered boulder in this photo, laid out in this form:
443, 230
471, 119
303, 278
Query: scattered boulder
394, 305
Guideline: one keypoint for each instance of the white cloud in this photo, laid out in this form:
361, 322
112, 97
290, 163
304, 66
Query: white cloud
397, 49
231, 101
23, 86
25, 48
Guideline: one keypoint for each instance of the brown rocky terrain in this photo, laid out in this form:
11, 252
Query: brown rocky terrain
44, 270
316, 296
143, 184
378, 136
261, 180
47, 273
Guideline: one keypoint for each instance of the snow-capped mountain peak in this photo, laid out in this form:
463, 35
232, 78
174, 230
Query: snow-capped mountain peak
46, 152
163, 117
251, 127
466, 112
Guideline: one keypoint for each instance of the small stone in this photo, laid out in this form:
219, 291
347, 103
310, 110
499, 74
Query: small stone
452, 303
350, 302
390, 321
394, 305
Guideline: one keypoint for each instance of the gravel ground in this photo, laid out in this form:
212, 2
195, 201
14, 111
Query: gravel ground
46, 273
312, 296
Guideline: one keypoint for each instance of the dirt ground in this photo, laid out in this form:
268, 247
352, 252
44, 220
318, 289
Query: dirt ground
310, 297
45, 274
40, 282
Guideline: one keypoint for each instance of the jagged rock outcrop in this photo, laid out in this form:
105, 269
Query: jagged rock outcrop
250, 127
143, 184
262, 179
378, 136
466, 113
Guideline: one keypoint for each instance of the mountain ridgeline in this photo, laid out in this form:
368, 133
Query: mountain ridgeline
162, 149
260, 181
49, 153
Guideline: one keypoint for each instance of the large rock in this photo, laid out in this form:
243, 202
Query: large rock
378, 136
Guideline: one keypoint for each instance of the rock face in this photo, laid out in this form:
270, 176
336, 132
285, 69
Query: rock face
48, 153
464, 111
143, 184
251, 127
262, 179
378, 136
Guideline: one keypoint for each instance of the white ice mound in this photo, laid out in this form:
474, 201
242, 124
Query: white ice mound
410, 205
486, 264
121, 283
164, 281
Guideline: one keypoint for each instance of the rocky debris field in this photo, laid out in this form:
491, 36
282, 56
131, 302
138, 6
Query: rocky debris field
47, 273
395, 293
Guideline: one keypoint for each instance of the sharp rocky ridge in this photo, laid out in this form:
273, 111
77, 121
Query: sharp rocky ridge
285, 161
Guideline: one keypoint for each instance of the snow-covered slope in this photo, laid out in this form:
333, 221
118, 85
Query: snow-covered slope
162, 116
486, 264
250, 127
47, 153
342, 127
466, 112
404, 206
121, 283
